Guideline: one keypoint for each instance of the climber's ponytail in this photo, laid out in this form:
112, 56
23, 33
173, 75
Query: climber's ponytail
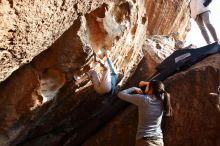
167, 105
160, 93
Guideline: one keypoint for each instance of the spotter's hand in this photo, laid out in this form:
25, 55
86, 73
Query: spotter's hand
143, 83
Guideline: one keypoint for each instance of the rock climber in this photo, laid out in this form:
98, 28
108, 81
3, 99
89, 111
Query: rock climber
152, 100
106, 84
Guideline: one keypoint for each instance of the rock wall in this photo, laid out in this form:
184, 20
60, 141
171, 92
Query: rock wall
29, 27
166, 17
49, 42
69, 55
196, 116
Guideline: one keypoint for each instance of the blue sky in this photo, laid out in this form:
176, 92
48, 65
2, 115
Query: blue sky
195, 36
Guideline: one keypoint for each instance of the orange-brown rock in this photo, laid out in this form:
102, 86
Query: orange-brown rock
196, 117
68, 55
166, 17
28, 28
61, 37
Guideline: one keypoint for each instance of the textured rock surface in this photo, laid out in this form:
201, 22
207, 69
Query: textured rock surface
196, 117
23, 109
61, 36
29, 27
159, 47
166, 17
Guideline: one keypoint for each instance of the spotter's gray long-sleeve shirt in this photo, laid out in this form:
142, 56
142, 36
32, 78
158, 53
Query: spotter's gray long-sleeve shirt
150, 111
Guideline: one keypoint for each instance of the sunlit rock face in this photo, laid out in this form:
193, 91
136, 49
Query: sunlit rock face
166, 17
29, 27
39, 101
159, 47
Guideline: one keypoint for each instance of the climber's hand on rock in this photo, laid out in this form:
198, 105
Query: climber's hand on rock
77, 83
143, 83
107, 53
